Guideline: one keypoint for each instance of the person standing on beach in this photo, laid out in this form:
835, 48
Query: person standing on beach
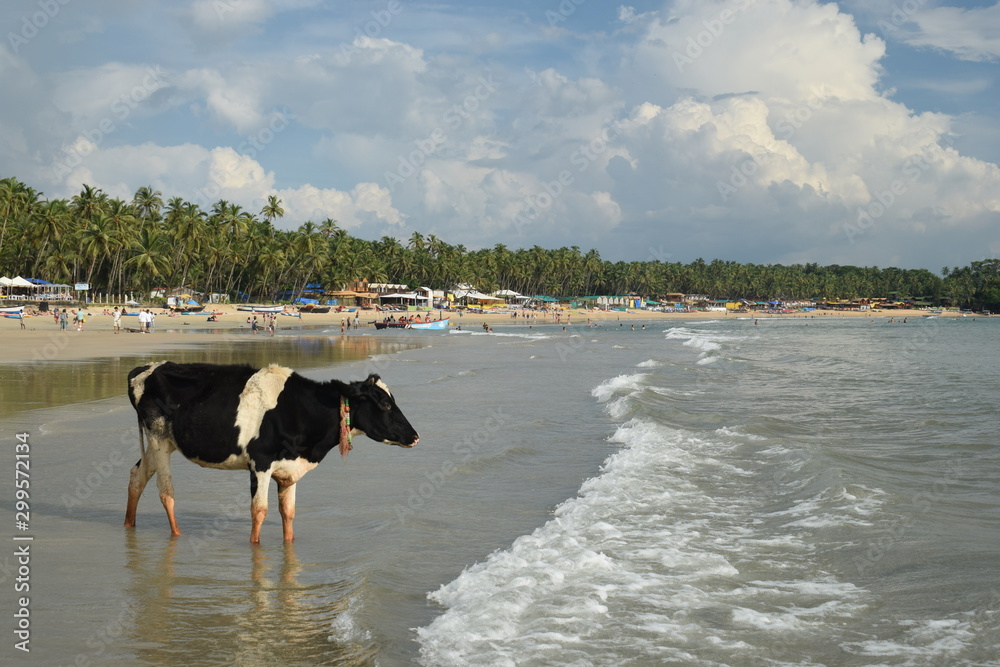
63, 321
117, 319
79, 320
150, 319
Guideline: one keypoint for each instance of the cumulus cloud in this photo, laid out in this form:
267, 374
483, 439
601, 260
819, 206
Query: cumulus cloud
778, 47
232, 98
204, 176
784, 136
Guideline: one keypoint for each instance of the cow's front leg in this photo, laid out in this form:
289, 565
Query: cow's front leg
286, 505
258, 503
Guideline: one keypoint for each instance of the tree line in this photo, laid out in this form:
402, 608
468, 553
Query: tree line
121, 246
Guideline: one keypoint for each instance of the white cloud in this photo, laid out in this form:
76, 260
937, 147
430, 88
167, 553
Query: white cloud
753, 129
776, 47
204, 176
234, 98
102, 97
971, 33
365, 203
785, 138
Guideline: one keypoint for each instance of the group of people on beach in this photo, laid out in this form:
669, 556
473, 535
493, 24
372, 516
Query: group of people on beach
348, 323
64, 318
78, 318
269, 323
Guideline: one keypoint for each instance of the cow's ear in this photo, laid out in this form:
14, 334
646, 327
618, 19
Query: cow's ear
372, 380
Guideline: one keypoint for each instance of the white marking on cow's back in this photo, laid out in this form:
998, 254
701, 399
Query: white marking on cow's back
259, 395
384, 387
139, 381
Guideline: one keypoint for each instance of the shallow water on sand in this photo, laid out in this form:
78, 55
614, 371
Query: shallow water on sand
36, 385
374, 533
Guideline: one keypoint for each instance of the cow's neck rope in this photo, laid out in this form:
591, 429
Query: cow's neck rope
345, 426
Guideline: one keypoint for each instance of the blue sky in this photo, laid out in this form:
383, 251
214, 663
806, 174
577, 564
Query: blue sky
769, 131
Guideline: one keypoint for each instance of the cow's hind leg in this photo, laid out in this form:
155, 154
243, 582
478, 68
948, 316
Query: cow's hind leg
286, 505
258, 503
138, 477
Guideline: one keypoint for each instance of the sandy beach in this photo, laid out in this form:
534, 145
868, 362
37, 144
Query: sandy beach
41, 340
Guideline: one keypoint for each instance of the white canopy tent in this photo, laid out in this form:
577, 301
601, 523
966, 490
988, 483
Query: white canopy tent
16, 283
473, 294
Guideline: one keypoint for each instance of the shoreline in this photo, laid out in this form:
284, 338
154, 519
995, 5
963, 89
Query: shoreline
42, 341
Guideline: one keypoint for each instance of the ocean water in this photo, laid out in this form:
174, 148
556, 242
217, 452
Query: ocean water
809, 491
790, 492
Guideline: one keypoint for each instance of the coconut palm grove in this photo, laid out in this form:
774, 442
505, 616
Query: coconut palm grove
120, 247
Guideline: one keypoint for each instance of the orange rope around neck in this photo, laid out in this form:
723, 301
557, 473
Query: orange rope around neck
345, 427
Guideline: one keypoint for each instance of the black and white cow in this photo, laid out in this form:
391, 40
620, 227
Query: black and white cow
271, 422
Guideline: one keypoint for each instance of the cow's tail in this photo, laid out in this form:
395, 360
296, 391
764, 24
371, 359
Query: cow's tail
142, 441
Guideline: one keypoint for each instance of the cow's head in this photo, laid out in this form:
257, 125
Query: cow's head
374, 412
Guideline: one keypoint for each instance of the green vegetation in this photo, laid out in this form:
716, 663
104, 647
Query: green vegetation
120, 246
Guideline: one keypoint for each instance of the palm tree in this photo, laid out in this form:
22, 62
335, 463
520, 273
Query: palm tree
59, 263
17, 201
50, 225
147, 203
11, 195
328, 227
90, 202
272, 209
123, 231
271, 261
188, 235
150, 260
96, 242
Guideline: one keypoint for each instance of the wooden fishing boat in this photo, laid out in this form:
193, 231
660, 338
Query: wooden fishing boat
436, 324
260, 309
